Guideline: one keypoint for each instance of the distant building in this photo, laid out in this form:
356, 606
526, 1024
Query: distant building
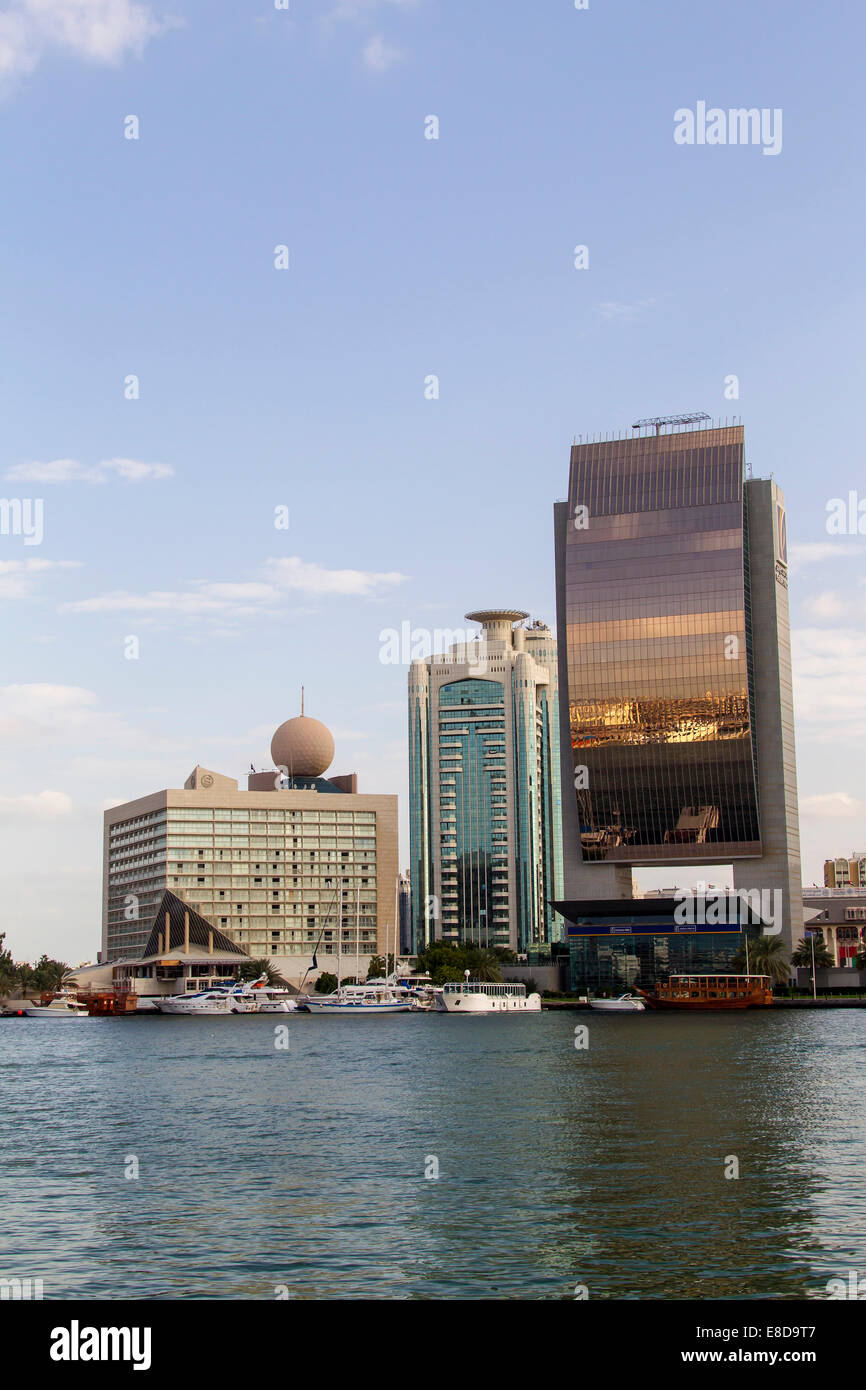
268, 868
841, 915
846, 873
486, 853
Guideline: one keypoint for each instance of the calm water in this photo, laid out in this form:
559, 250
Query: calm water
305, 1168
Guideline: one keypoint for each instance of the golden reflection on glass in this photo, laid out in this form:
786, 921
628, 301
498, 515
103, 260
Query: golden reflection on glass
658, 642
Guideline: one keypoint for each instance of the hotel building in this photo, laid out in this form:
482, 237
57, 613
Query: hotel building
486, 855
268, 867
677, 712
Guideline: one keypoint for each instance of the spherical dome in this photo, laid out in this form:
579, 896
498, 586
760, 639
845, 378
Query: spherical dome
303, 746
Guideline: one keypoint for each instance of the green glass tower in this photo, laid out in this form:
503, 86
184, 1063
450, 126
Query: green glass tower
485, 838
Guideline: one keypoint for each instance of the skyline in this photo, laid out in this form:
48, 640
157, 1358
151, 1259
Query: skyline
304, 388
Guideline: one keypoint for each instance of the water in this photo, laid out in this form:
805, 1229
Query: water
305, 1168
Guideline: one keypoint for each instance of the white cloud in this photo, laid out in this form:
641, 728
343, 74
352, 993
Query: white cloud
18, 578
47, 805
70, 471
99, 31
830, 682
831, 806
311, 578
614, 309
220, 599
41, 709
380, 55
356, 10
244, 598
813, 552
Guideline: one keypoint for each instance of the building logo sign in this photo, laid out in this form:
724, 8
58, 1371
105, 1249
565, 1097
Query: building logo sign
780, 532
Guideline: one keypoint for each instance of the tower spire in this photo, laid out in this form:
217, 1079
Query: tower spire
302, 700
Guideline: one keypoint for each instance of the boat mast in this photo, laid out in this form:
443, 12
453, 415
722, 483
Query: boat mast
357, 932
340, 939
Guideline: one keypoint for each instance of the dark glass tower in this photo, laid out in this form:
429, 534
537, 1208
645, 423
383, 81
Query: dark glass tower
658, 631
677, 717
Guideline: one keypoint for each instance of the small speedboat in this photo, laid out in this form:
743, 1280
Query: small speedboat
58, 1008
625, 1004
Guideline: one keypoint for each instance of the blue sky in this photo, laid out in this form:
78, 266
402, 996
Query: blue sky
305, 388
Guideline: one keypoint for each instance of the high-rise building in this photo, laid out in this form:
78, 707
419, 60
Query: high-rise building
675, 671
268, 867
486, 855
846, 873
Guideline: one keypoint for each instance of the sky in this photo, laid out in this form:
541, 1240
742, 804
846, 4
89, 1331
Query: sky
242, 286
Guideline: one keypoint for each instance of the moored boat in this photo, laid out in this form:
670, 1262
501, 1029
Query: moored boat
485, 997
374, 997
701, 992
62, 1007
624, 1004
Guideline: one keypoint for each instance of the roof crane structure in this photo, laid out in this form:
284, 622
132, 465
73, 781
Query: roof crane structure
695, 417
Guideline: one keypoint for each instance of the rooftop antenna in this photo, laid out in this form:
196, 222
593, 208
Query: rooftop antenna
302, 701
693, 417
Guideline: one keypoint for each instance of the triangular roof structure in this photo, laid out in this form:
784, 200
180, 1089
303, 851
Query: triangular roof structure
203, 935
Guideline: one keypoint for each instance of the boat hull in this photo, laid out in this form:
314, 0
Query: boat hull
618, 1006
356, 1009
56, 1013
487, 1004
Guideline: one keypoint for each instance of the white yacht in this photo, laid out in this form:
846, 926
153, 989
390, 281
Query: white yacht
205, 1003
275, 999
62, 1007
625, 1004
374, 997
483, 997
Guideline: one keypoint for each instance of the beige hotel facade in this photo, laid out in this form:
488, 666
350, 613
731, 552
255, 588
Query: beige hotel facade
269, 866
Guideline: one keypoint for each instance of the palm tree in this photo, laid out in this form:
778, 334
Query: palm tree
803, 953
254, 969
768, 956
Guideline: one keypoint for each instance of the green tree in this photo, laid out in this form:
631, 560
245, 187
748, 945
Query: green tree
254, 969
768, 956
803, 953
444, 961
8, 975
379, 968
51, 974
23, 978
326, 983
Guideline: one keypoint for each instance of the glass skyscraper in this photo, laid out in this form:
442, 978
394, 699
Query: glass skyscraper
677, 719
486, 855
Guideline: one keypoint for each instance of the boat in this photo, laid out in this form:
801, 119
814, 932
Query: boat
711, 992
275, 999
65, 1006
624, 1004
205, 1003
374, 997
482, 997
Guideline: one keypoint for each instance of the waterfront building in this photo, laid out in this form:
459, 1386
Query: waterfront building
677, 728
846, 873
841, 915
485, 841
268, 867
